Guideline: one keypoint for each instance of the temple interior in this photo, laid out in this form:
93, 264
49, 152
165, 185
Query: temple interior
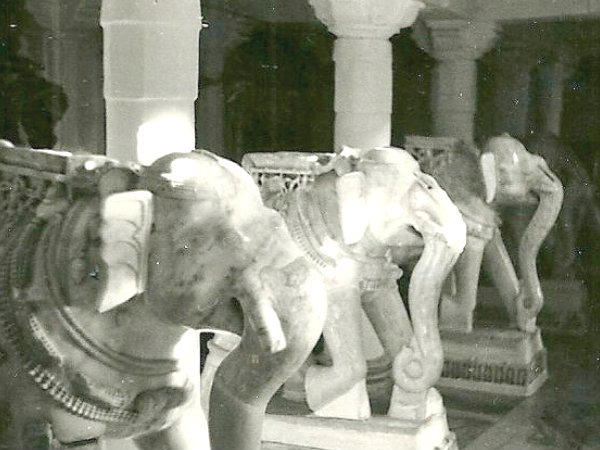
298, 92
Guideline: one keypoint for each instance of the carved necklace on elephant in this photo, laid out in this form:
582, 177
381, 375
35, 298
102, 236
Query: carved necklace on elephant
38, 321
309, 228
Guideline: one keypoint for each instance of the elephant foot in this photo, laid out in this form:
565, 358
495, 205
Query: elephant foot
293, 389
455, 317
526, 321
234, 424
415, 405
218, 348
353, 404
337, 391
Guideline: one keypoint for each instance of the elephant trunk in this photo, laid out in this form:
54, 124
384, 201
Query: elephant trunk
530, 298
419, 365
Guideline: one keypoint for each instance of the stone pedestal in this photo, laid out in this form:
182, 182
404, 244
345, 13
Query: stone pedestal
498, 361
381, 433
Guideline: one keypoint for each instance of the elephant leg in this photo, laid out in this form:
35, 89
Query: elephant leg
340, 390
219, 347
76, 432
250, 375
456, 312
189, 432
389, 318
498, 265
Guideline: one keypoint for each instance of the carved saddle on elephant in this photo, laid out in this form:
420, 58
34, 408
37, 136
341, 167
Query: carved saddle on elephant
501, 181
313, 215
65, 257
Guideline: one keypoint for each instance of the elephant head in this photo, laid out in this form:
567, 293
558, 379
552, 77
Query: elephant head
214, 240
119, 266
388, 205
512, 176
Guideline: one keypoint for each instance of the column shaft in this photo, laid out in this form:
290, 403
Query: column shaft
363, 92
453, 99
150, 77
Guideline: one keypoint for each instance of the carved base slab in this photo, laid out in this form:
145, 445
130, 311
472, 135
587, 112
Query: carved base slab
378, 432
508, 362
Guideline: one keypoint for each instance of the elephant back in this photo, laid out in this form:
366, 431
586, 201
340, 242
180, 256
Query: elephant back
455, 166
57, 194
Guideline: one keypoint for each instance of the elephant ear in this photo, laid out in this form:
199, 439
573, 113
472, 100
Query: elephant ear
124, 233
352, 206
488, 170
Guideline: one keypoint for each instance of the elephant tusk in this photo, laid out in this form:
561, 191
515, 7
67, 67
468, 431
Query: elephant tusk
266, 324
257, 300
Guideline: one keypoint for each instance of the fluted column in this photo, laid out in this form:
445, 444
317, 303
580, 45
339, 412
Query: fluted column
363, 65
512, 90
151, 53
456, 45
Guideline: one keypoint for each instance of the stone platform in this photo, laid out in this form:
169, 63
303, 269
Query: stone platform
378, 432
507, 362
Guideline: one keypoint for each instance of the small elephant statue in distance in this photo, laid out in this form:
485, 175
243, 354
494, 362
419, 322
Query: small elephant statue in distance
359, 206
481, 185
580, 212
107, 273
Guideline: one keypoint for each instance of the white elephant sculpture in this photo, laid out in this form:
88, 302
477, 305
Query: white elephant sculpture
106, 272
348, 213
481, 185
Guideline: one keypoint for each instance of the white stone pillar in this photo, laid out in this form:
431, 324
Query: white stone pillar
554, 75
151, 53
456, 45
363, 65
512, 88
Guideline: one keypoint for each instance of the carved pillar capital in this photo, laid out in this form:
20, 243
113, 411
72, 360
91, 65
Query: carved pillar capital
363, 65
371, 18
454, 39
456, 45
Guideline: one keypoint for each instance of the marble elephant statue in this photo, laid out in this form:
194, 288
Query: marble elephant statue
481, 185
360, 205
579, 214
105, 276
